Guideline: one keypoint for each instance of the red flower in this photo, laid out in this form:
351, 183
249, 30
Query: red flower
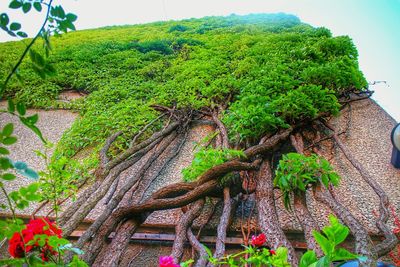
17, 244
272, 252
167, 261
258, 241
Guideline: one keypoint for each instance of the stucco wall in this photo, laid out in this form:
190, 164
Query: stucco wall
368, 138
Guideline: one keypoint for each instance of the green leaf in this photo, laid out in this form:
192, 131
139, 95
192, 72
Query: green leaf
33, 187
76, 262
15, 4
33, 128
9, 140
12, 262
37, 58
61, 12
323, 262
8, 129
15, 26
10, 106
37, 6
4, 151
11, 33
71, 17
22, 34
26, 7
68, 24
33, 119
323, 242
342, 254
209, 252
31, 174
21, 108
4, 20
5, 163
308, 258
8, 176
50, 70
20, 165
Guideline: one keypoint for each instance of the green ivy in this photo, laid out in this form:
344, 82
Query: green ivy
205, 159
331, 237
296, 171
273, 69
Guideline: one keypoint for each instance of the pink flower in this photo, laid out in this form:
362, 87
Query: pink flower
167, 261
258, 241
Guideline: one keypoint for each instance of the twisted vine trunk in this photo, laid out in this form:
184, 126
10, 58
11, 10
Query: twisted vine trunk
117, 198
267, 217
223, 225
301, 211
72, 216
111, 256
390, 241
83, 210
307, 222
185, 222
139, 213
194, 242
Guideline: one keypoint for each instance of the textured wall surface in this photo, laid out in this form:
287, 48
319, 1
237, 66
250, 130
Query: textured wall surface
367, 136
52, 123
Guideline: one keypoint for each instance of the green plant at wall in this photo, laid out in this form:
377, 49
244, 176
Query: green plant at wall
205, 159
21, 199
61, 178
329, 239
55, 22
296, 172
265, 76
256, 257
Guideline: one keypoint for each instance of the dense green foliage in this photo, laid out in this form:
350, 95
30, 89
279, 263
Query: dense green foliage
329, 240
296, 171
205, 159
274, 69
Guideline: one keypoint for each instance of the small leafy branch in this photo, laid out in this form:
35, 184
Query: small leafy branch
329, 240
56, 21
18, 109
205, 159
296, 171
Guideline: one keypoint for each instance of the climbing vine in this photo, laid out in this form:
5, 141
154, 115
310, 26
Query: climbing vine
257, 80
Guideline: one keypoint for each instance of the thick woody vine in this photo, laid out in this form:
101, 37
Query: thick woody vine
124, 218
260, 90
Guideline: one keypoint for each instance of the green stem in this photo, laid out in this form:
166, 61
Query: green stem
14, 70
9, 203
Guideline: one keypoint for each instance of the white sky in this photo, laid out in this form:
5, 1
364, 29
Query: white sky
373, 25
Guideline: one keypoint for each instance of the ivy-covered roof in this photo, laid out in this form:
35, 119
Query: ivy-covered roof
266, 70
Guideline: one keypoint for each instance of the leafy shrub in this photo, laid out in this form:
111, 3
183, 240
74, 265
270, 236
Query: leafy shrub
162, 46
205, 159
178, 28
295, 171
274, 69
332, 235
252, 116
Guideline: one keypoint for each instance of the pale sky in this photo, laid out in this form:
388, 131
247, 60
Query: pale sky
372, 24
